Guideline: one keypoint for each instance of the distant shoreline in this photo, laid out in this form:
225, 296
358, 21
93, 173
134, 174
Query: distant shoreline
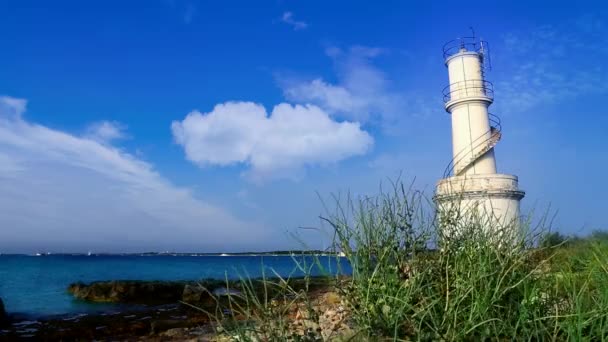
183, 254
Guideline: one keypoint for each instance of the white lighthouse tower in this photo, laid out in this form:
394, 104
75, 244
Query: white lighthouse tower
471, 182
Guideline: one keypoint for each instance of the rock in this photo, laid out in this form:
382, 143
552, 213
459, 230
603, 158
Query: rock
129, 291
138, 328
199, 296
330, 313
223, 291
331, 298
145, 292
175, 332
192, 293
4, 321
164, 325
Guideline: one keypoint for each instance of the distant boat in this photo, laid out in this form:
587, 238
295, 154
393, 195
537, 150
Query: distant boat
224, 254
38, 254
89, 254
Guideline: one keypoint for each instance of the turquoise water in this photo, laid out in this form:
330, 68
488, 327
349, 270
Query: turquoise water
36, 286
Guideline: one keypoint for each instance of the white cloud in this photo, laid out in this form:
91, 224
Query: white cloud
363, 92
106, 131
74, 194
331, 97
278, 145
288, 19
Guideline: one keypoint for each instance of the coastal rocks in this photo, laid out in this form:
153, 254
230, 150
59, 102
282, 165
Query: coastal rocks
164, 325
145, 292
128, 291
4, 321
193, 293
223, 291
175, 333
146, 323
326, 318
196, 334
323, 317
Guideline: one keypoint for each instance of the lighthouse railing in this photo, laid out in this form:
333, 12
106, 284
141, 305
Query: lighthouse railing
479, 142
464, 44
468, 88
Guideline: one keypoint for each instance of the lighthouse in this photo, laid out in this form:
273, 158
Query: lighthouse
471, 183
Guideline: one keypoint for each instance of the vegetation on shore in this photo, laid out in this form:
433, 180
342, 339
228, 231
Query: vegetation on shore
412, 282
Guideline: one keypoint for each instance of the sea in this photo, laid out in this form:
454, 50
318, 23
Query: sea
36, 286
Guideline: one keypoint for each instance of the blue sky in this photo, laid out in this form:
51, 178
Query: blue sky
211, 126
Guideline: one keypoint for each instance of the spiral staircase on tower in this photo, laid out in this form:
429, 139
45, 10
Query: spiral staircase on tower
485, 142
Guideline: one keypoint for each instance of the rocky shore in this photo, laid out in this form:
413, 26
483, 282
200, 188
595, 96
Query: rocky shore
146, 292
159, 311
4, 319
126, 325
144, 310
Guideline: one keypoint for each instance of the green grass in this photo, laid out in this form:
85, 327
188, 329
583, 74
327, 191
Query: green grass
412, 282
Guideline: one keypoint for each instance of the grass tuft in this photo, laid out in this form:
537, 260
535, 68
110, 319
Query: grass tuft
413, 280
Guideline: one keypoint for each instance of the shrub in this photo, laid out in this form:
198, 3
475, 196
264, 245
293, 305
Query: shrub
411, 280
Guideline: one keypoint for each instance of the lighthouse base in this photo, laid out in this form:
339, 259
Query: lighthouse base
490, 199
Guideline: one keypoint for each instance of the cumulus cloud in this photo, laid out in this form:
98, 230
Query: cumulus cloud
333, 98
106, 131
278, 145
76, 194
363, 92
288, 19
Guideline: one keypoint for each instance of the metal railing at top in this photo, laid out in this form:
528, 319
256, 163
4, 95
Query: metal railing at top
468, 88
464, 44
495, 128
